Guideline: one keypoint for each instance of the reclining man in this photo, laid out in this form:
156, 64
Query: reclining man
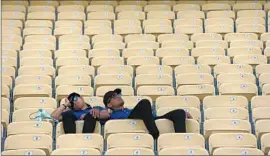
143, 111
76, 109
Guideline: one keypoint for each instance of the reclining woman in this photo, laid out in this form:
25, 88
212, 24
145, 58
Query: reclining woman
75, 109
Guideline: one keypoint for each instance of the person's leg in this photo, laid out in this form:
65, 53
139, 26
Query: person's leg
143, 111
89, 124
69, 122
178, 117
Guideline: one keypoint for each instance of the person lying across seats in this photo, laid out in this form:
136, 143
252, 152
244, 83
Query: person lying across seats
114, 102
74, 109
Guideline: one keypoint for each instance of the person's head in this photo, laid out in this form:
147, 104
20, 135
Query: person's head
113, 99
76, 101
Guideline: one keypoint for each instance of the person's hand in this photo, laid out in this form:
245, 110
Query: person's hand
67, 103
188, 115
82, 116
95, 112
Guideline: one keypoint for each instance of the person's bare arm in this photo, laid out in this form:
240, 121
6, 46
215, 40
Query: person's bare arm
104, 114
56, 114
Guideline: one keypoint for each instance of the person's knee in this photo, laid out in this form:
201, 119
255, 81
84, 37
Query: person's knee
179, 113
89, 117
68, 114
144, 103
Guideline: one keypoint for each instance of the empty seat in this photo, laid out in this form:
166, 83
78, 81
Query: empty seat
33, 79
187, 29
246, 89
136, 61
251, 13
63, 53
200, 91
41, 16
221, 29
30, 127
235, 78
212, 43
11, 15
186, 7
250, 20
39, 45
127, 23
29, 141
153, 69
247, 6
187, 21
250, 59
9, 53
103, 52
261, 127
219, 21
266, 89
108, 79
157, 7
36, 61
131, 15
70, 8
24, 151
153, 80
244, 50
161, 15
40, 38
104, 2
194, 79
71, 61
177, 101
5, 118
132, 101
204, 51
36, 102
237, 151
7, 80
225, 101
172, 51
140, 37
115, 69
8, 70
215, 7
262, 68
226, 113
39, 23
37, 8
12, 23
205, 36
160, 22
5, 103
69, 23
64, 91
73, 80
11, 46
129, 151
155, 91
134, 7
221, 14
129, 2
174, 61
265, 143
187, 140
126, 90
106, 38
130, 52
67, 31
71, 16
124, 126
46, 3
101, 15
158, 29
76, 151
75, 45
190, 14
190, 68
240, 36
94, 141
251, 28
12, 38
37, 31
37, 70
126, 30
213, 60
259, 101
232, 140
99, 61
83, 3
110, 44
183, 151
74, 38
130, 140
97, 23
180, 44
264, 79
91, 31
260, 113
19, 8
32, 90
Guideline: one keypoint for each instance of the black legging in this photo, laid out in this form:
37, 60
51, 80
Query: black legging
70, 126
143, 111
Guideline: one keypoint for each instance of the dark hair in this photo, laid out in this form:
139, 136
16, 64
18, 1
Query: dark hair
109, 95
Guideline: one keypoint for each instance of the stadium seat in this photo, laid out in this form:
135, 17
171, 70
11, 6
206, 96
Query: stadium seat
45, 8
127, 23
106, 38
237, 151
190, 14
259, 101
186, 7
5, 103
244, 50
264, 79
63, 91
187, 21
32, 90
205, 36
76, 151
200, 91
140, 37
39, 45
37, 70
265, 143
220, 29
157, 22
10, 15
7, 80
153, 80
157, 7
111, 44
91, 100
99, 61
36, 61
129, 2
251, 13
166, 126
104, 52
36, 31
134, 7
114, 79
40, 38
83, 3
63, 53
225, 101
155, 91
64, 61
194, 79
154, 69
8, 70
126, 90
187, 29
250, 59
212, 43
174, 61
126, 30
226, 113
94, 141
30, 127
179, 44
250, 20
204, 51
129, 151
261, 128
73, 80
12, 23
131, 15
189, 140
5, 118
12, 38
240, 36
36, 102
170, 15
124, 126
69, 23
262, 68
101, 15
136, 61
24, 152
143, 44
266, 89
260, 113
19, 8
74, 38
42, 3
79, 127
128, 140
235, 78
70, 8
115, 69
67, 31
247, 6
38, 24
40, 15
190, 68
215, 7
232, 140
28, 114
29, 141
74, 15
33, 79
5, 91
183, 151
130, 52
104, 2
213, 60
221, 14
232, 68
